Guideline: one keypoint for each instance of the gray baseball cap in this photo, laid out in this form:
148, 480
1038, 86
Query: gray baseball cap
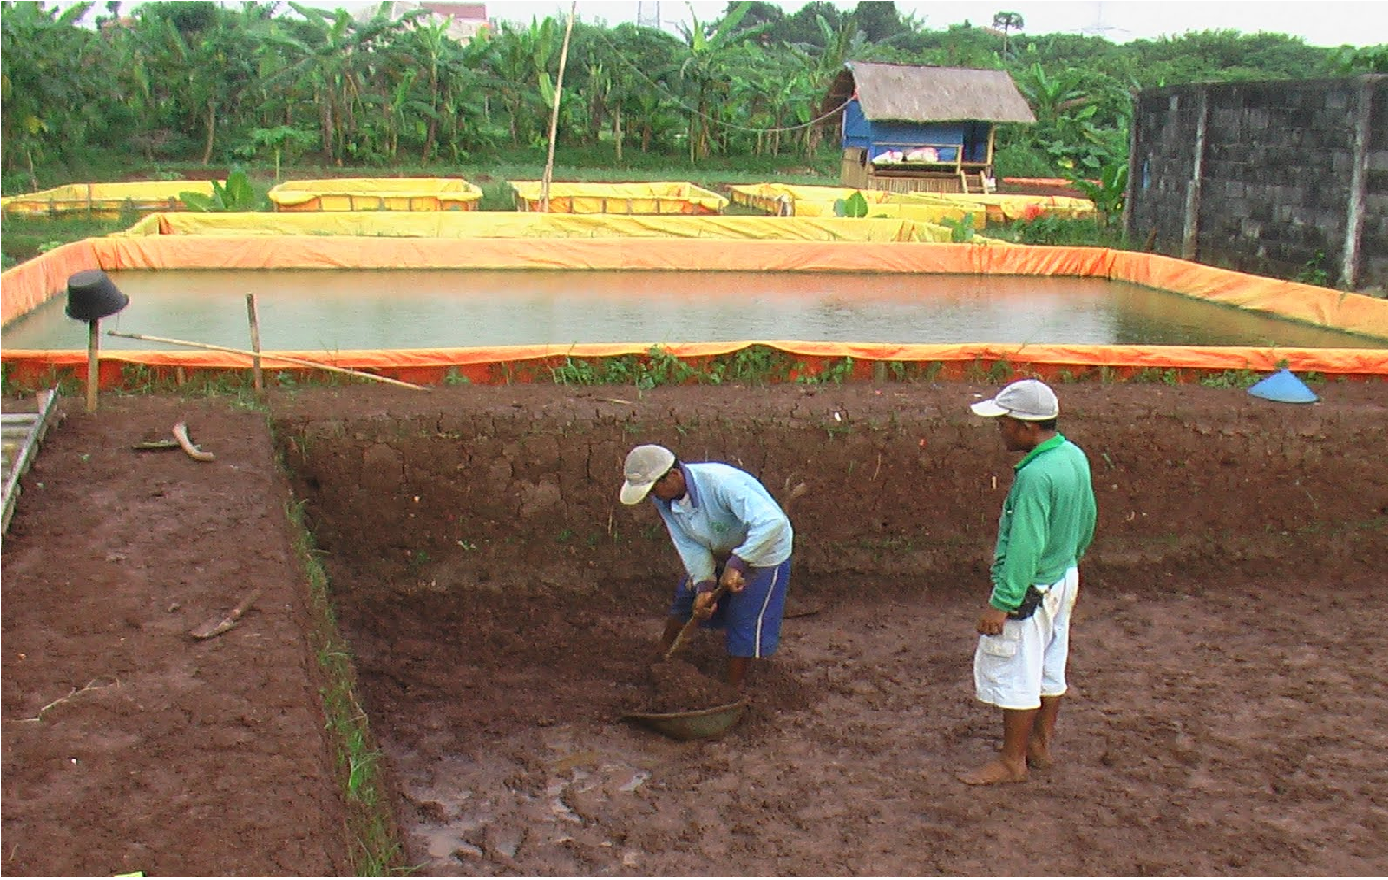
645, 465
1030, 400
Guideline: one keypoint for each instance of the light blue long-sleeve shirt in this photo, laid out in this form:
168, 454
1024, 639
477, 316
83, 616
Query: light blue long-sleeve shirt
725, 513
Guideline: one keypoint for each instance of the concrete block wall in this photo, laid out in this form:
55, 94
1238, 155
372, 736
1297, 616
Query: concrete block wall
1284, 179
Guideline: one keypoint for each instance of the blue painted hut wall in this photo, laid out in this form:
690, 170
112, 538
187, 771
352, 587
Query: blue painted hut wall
882, 135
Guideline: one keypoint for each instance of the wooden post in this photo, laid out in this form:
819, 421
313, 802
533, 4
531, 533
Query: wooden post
257, 380
1354, 219
93, 361
1133, 174
1190, 234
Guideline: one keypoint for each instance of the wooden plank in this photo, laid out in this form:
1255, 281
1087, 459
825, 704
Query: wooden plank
47, 410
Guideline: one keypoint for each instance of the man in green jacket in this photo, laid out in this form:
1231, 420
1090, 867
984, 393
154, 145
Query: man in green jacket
1046, 525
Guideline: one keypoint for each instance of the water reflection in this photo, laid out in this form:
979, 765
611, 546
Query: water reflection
396, 309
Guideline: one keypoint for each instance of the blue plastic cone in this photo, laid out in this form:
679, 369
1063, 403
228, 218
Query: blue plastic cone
1283, 387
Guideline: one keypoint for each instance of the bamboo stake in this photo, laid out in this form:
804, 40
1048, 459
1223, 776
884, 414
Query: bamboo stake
274, 357
216, 626
256, 378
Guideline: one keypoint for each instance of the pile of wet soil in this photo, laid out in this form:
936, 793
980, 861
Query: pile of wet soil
679, 686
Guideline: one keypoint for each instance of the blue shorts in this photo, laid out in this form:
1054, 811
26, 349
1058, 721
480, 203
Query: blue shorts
751, 618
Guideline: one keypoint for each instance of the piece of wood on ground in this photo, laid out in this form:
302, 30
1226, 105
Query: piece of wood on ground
218, 625
180, 431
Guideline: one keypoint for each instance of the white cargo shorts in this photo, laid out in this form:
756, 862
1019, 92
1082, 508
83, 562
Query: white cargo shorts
1026, 661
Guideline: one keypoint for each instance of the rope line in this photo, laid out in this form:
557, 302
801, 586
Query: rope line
693, 112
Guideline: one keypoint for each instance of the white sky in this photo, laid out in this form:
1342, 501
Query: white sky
1318, 22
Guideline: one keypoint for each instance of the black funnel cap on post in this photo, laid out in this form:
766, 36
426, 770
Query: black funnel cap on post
91, 296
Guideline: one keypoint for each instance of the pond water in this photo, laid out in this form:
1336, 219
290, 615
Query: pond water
336, 310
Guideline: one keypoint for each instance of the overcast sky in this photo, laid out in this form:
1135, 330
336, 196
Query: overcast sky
1318, 22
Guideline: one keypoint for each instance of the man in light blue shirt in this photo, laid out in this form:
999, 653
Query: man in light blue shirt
730, 534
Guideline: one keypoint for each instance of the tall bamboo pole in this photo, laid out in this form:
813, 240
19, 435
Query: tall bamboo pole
302, 362
554, 113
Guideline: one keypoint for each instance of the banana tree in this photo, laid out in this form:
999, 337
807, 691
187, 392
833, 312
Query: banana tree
703, 75
330, 61
641, 63
597, 86
520, 59
1049, 95
53, 79
840, 43
463, 115
237, 195
281, 141
428, 52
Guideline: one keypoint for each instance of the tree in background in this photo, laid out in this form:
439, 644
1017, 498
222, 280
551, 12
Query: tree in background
205, 83
56, 84
1007, 22
879, 21
803, 28
1373, 59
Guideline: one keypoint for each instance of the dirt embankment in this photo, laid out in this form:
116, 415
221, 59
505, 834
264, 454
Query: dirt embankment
513, 489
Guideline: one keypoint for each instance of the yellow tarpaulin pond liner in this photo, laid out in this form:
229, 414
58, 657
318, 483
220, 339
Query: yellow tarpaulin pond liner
1005, 208
31, 283
619, 198
377, 194
820, 201
512, 224
783, 199
106, 200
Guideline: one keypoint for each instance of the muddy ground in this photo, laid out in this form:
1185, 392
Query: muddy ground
1227, 672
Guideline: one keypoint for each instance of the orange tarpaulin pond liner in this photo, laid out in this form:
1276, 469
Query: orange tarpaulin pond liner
31, 283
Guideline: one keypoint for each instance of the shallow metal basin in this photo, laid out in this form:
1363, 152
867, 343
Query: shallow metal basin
698, 724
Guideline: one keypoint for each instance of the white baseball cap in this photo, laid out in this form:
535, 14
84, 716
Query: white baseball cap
1030, 400
645, 465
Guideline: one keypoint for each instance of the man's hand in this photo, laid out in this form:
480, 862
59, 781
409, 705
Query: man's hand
991, 620
733, 580
704, 605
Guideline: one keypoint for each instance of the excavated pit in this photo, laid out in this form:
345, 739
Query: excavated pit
504, 610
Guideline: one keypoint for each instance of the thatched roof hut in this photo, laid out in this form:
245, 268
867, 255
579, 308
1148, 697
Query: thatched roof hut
909, 128
908, 93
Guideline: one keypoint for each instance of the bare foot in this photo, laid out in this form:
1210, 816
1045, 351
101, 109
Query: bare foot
994, 773
1040, 759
